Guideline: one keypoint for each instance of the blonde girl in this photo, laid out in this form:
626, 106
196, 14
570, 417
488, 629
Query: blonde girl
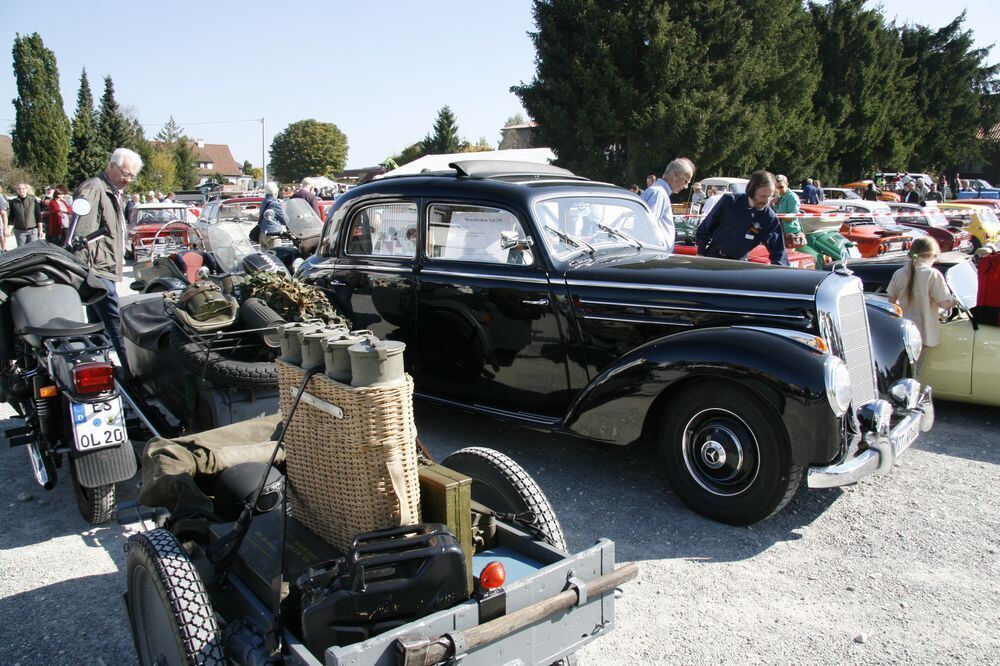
920, 290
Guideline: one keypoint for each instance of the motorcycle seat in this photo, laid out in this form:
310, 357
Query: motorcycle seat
59, 326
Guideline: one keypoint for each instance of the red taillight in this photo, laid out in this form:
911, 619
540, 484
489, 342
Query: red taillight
493, 576
94, 377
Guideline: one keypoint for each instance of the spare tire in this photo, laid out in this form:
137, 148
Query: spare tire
219, 369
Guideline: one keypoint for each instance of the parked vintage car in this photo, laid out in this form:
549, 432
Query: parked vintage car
530, 294
979, 189
993, 204
245, 211
831, 194
931, 220
980, 221
158, 228
860, 186
824, 242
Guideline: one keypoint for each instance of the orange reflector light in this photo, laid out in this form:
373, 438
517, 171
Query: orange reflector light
94, 377
48, 392
493, 576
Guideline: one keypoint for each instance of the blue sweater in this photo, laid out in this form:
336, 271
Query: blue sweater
734, 227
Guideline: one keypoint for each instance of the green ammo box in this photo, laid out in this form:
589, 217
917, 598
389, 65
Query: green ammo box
446, 497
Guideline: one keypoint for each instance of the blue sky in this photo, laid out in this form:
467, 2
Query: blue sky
379, 70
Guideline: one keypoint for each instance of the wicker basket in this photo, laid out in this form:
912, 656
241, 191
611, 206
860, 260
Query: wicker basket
351, 455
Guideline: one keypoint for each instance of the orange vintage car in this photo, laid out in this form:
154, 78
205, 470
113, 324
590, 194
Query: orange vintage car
862, 185
872, 240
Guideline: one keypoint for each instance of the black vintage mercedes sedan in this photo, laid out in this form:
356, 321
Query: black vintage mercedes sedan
528, 293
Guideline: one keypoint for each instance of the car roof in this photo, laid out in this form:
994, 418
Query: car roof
238, 200
154, 206
724, 180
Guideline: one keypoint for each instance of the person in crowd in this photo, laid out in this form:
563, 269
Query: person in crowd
934, 194
25, 216
956, 185
4, 226
160, 197
650, 179
809, 192
787, 204
920, 290
676, 176
871, 192
697, 195
910, 193
943, 188
712, 197
99, 239
741, 222
132, 201
306, 192
820, 194
171, 198
59, 212
920, 187
150, 197
880, 183
271, 219
635, 189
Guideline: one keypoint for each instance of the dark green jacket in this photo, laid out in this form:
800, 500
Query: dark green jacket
103, 229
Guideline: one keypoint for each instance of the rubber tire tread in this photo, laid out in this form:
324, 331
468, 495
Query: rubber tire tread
178, 583
221, 370
739, 512
500, 472
96, 505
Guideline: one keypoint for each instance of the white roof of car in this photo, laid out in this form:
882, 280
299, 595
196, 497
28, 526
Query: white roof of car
441, 162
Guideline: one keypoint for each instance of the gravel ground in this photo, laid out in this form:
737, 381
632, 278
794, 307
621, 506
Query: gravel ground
901, 568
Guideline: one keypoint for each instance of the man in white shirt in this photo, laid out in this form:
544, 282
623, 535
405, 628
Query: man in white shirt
676, 176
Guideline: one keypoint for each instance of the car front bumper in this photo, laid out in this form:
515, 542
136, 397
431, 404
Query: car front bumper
883, 448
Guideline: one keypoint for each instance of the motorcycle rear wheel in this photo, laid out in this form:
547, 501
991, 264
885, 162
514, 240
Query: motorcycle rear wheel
97, 505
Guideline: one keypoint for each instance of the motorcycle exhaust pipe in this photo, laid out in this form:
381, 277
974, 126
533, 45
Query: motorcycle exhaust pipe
45, 471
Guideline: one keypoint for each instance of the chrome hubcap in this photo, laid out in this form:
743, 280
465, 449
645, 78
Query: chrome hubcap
720, 452
713, 454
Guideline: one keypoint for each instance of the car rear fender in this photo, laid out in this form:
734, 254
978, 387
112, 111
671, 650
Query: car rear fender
625, 402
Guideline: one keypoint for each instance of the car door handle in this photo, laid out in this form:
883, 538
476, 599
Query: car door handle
540, 301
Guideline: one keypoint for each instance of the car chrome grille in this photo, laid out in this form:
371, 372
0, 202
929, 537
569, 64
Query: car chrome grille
856, 347
840, 304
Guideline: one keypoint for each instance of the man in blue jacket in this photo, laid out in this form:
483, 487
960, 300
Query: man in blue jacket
740, 222
271, 220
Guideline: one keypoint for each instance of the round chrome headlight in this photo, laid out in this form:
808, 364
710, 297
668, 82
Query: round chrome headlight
838, 384
911, 340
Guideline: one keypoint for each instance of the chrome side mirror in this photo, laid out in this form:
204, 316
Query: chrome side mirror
82, 207
510, 240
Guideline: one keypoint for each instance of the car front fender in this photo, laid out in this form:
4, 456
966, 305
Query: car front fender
627, 399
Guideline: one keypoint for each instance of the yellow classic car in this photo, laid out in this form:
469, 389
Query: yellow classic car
980, 221
965, 366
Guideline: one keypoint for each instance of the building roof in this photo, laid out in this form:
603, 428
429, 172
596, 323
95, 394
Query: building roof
527, 125
220, 155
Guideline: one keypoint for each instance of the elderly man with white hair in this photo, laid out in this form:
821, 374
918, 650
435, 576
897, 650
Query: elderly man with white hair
676, 177
98, 239
271, 220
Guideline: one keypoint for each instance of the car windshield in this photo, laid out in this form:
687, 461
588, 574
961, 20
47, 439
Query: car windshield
247, 211
989, 217
980, 184
570, 225
229, 245
158, 215
964, 281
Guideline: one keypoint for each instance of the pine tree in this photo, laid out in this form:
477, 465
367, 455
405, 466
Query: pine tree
867, 96
40, 139
444, 138
170, 131
113, 127
184, 165
86, 157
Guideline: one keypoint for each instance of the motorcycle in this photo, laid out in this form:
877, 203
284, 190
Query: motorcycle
302, 236
58, 375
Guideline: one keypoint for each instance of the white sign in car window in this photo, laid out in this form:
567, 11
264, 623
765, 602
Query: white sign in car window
476, 235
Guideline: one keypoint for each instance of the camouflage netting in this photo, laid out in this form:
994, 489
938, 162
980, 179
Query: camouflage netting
290, 298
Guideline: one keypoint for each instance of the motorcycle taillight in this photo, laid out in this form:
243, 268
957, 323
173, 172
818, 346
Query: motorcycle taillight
94, 377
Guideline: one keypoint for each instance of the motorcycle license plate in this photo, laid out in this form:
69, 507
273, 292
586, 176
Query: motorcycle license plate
97, 425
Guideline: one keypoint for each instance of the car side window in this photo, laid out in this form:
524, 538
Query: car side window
384, 230
476, 233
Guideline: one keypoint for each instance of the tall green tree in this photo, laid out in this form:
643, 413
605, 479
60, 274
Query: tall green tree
308, 148
951, 81
86, 157
867, 94
40, 139
444, 137
113, 126
170, 132
247, 168
184, 164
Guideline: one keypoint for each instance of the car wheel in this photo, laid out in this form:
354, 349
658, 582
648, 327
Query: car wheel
726, 454
96, 505
172, 619
505, 487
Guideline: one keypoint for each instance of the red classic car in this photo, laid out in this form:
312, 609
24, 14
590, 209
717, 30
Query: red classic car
159, 228
872, 239
931, 220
